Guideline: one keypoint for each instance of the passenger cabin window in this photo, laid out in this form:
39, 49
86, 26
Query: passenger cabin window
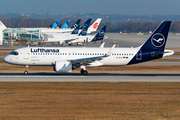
14, 53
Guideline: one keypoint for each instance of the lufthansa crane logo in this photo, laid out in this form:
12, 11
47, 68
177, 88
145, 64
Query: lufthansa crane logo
84, 26
76, 31
84, 32
158, 40
101, 33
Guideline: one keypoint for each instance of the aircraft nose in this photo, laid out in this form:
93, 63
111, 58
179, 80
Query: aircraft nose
6, 59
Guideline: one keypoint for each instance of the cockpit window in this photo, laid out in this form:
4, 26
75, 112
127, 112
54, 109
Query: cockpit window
14, 53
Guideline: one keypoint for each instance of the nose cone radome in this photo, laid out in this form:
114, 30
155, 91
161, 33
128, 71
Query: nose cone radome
6, 59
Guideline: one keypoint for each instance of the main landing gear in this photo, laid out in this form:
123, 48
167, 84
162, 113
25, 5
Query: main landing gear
83, 70
26, 70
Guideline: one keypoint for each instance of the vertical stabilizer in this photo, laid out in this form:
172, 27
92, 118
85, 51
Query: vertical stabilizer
2, 27
76, 24
85, 27
55, 24
76, 30
99, 35
157, 40
65, 26
153, 48
94, 26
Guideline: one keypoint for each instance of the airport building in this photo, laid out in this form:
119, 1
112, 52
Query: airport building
15, 35
11, 36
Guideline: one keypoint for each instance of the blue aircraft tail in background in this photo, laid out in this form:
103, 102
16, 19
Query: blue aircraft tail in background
76, 30
65, 26
99, 35
76, 24
55, 24
84, 27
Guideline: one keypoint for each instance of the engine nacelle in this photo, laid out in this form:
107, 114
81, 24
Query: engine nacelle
62, 42
63, 66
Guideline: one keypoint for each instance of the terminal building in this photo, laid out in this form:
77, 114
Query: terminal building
9, 36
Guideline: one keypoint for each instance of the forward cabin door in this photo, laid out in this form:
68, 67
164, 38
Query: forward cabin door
26, 53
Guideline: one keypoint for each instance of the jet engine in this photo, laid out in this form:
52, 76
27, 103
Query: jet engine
62, 42
63, 66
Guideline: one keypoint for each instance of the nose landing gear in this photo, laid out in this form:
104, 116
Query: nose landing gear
26, 70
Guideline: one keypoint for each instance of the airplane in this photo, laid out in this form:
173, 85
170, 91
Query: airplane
61, 38
89, 38
66, 59
77, 38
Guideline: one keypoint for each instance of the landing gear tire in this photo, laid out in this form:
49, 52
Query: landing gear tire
25, 72
84, 72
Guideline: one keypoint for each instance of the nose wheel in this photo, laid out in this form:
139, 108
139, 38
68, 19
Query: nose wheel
26, 70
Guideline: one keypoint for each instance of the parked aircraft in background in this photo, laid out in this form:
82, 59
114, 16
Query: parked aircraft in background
90, 38
55, 24
76, 24
94, 26
66, 59
63, 38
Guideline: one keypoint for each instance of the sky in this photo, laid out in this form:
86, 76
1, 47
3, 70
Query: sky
121, 7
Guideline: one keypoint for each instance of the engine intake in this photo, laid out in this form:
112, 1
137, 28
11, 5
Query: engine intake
63, 66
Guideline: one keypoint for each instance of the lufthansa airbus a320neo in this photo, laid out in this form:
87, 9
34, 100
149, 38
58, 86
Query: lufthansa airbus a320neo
66, 59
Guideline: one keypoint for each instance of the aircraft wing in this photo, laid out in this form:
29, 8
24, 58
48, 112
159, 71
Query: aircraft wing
87, 61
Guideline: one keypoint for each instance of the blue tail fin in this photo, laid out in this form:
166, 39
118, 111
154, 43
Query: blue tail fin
55, 24
100, 34
76, 24
157, 40
84, 27
153, 48
65, 26
76, 30
60, 26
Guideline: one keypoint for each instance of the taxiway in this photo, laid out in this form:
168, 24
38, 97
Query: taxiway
91, 77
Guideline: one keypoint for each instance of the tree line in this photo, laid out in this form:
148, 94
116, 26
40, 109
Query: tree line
128, 26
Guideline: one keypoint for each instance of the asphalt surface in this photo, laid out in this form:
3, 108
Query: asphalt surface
91, 77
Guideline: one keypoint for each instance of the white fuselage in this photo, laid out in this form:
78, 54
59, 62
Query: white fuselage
71, 38
29, 56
